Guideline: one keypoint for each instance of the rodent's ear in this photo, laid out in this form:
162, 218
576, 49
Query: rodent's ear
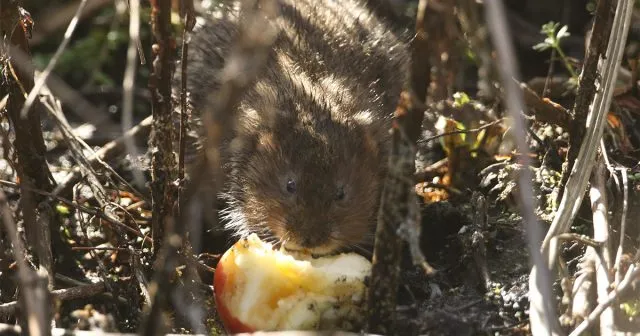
266, 141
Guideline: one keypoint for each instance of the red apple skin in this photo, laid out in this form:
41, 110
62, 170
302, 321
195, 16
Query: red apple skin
231, 324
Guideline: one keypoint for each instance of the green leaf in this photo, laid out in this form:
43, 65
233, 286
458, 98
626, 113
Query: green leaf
63, 210
460, 126
460, 99
631, 309
549, 28
478, 141
542, 46
563, 32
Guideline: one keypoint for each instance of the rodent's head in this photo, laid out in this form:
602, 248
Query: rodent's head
313, 187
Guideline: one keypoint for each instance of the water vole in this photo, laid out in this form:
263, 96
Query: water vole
305, 160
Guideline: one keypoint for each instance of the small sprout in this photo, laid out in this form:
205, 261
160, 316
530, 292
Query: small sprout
452, 141
563, 32
631, 309
552, 41
470, 55
63, 210
553, 38
460, 99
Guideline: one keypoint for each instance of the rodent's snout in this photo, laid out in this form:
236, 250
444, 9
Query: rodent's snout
312, 240
313, 237
317, 250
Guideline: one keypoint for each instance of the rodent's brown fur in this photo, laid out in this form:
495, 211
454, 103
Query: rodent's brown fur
319, 115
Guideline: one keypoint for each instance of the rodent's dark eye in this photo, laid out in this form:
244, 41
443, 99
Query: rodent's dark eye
340, 194
291, 186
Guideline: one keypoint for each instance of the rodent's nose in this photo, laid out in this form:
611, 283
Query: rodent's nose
310, 241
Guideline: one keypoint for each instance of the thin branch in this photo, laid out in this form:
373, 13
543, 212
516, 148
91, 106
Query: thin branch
428, 173
597, 46
582, 294
128, 83
30, 164
547, 80
188, 296
478, 240
109, 151
34, 295
398, 214
623, 222
626, 283
163, 165
463, 131
94, 248
605, 155
576, 183
103, 216
143, 283
587, 241
496, 19
77, 148
189, 22
247, 58
66, 294
77, 103
88, 210
598, 195
41, 80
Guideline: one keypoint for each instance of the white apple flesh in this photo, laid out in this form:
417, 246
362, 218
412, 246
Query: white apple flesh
261, 289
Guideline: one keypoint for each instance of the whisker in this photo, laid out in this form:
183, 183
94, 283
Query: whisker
351, 245
283, 239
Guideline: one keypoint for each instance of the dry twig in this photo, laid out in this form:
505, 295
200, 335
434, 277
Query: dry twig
496, 18
163, 165
189, 22
601, 227
398, 205
628, 280
128, 84
587, 86
84, 291
31, 165
623, 224
576, 182
109, 151
397, 199
247, 57
478, 239
583, 298
88, 210
42, 78
34, 295
464, 131
78, 104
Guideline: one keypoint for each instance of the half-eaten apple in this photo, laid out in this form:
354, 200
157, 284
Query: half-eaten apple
259, 288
